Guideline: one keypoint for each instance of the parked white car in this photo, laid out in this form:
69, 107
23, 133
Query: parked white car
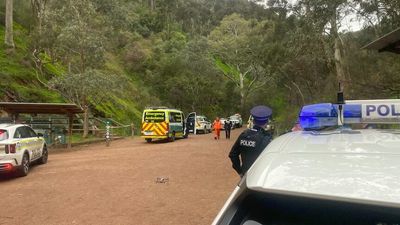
198, 123
203, 124
19, 147
236, 120
323, 175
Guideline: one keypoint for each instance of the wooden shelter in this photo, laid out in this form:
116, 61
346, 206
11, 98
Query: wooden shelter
16, 108
387, 43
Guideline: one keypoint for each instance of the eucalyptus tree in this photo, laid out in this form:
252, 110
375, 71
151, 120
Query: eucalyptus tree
89, 88
9, 39
327, 18
233, 46
75, 34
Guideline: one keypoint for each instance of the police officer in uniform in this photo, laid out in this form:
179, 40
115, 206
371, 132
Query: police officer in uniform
251, 142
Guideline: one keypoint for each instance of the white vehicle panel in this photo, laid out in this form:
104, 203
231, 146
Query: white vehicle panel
32, 144
360, 167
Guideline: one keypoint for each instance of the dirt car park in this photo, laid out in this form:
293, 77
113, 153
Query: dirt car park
130, 182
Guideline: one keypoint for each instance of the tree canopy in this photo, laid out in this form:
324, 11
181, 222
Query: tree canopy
217, 57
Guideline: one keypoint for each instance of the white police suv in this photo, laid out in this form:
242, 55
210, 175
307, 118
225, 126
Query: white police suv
19, 147
331, 172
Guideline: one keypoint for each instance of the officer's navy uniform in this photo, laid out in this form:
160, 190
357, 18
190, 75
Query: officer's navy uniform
249, 146
227, 127
251, 142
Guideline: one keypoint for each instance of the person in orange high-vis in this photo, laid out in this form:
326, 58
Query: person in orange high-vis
217, 128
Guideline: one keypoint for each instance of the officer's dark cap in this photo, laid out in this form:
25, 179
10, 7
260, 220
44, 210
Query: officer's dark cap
261, 114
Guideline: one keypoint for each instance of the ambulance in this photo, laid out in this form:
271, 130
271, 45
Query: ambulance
341, 168
163, 123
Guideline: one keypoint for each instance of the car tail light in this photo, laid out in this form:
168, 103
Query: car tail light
12, 148
8, 166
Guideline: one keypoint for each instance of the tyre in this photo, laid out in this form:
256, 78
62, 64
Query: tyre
23, 170
148, 140
45, 156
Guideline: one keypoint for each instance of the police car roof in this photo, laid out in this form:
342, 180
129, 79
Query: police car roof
357, 166
9, 125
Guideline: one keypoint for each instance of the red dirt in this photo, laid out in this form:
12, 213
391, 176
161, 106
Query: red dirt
117, 185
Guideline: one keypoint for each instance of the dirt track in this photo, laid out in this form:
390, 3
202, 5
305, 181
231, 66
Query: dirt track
117, 185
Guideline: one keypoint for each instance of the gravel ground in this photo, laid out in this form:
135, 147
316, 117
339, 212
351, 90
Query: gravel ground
130, 182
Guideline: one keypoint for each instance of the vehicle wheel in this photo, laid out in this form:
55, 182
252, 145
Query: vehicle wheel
172, 138
205, 130
23, 170
45, 156
148, 140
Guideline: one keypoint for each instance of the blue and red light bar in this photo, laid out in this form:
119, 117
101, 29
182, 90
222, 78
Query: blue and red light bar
319, 116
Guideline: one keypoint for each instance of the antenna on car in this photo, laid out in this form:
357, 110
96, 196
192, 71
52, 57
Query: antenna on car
340, 102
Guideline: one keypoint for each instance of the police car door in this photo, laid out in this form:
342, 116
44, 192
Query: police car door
24, 141
37, 143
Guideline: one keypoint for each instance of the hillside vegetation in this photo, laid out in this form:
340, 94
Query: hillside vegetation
216, 57
20, 80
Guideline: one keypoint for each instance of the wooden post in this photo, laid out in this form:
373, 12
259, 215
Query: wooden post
70, 121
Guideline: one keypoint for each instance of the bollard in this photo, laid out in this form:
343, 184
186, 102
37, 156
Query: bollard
108, 138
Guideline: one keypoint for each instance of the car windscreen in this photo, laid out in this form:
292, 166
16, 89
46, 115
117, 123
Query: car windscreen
154, 117
200, 119
265, 208
3, 135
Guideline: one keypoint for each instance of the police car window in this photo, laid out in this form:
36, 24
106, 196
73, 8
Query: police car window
20, 132
25, 132
31, 132
3, 135
154, 117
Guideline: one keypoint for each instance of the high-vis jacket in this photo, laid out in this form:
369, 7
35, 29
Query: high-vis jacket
217, 124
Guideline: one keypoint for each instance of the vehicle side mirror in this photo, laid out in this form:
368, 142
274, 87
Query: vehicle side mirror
40, 135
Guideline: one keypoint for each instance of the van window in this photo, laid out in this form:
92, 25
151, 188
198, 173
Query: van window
175, 117
154, 117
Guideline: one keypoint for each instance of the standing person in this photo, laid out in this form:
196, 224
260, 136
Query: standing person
217, 128
227, 127
251, 142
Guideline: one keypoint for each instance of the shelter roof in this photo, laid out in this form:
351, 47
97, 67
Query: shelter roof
40, 108
389, 42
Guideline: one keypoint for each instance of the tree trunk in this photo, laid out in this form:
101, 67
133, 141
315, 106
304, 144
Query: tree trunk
339, 64
338, 49
152, 4
9, 40
242, 92
38, 8
86, 122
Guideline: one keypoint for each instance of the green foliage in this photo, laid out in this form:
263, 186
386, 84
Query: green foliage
18, 78
92, 86
217, 57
